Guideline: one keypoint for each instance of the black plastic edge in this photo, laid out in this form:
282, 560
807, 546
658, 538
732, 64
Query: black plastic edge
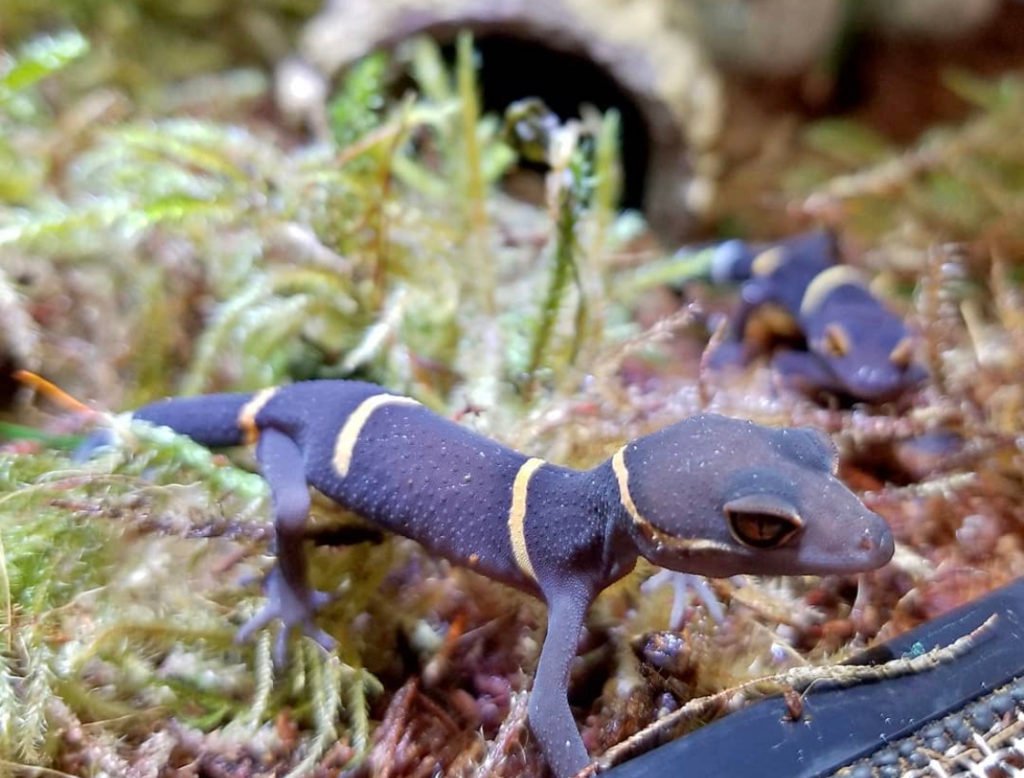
841, 725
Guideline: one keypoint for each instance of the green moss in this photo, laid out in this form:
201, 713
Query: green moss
210, 251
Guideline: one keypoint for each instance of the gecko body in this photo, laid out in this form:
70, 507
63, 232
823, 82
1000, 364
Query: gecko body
708, 495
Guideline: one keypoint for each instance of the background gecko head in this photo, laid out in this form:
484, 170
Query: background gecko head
720, 496
866, 347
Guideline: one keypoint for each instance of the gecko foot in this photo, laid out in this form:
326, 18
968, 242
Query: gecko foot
293, 608
729, 354
682, 585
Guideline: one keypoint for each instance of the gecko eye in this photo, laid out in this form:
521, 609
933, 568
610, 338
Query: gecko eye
903, 351
836, 342
762, 520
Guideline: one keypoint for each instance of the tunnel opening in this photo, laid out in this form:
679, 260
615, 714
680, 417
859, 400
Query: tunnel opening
511, 68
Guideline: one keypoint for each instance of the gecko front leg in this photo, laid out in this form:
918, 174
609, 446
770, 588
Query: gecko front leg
549, 714
289, 596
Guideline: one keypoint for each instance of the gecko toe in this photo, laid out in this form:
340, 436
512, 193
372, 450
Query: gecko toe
318, 599
281, 648
263, 617
325, 641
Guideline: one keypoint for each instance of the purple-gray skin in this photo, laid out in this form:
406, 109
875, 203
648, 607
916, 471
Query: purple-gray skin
856, 347
708, 495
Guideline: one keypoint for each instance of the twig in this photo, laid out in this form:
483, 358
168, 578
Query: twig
508, 738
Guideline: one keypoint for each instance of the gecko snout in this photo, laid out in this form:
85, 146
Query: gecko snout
849, 538
870, 548
877, 543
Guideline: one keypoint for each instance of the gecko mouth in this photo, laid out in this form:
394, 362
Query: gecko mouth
665, 541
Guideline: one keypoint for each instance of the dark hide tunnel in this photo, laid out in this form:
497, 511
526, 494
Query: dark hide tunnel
513, 68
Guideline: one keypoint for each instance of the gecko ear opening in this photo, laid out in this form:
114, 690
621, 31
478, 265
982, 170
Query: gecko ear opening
762, 520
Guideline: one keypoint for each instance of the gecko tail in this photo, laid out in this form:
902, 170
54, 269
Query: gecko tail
212, 420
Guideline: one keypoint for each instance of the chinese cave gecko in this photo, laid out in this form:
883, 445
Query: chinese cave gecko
709, 495
856, 347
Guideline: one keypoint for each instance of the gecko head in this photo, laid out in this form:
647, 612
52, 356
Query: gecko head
719, 496
867, 348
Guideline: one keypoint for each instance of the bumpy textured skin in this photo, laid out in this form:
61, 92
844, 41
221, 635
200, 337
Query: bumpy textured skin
557, 533
867, 371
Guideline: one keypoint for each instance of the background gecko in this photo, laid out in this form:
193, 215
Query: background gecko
707, 495
856, 347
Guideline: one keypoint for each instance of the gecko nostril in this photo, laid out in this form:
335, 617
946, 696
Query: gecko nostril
880, 545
